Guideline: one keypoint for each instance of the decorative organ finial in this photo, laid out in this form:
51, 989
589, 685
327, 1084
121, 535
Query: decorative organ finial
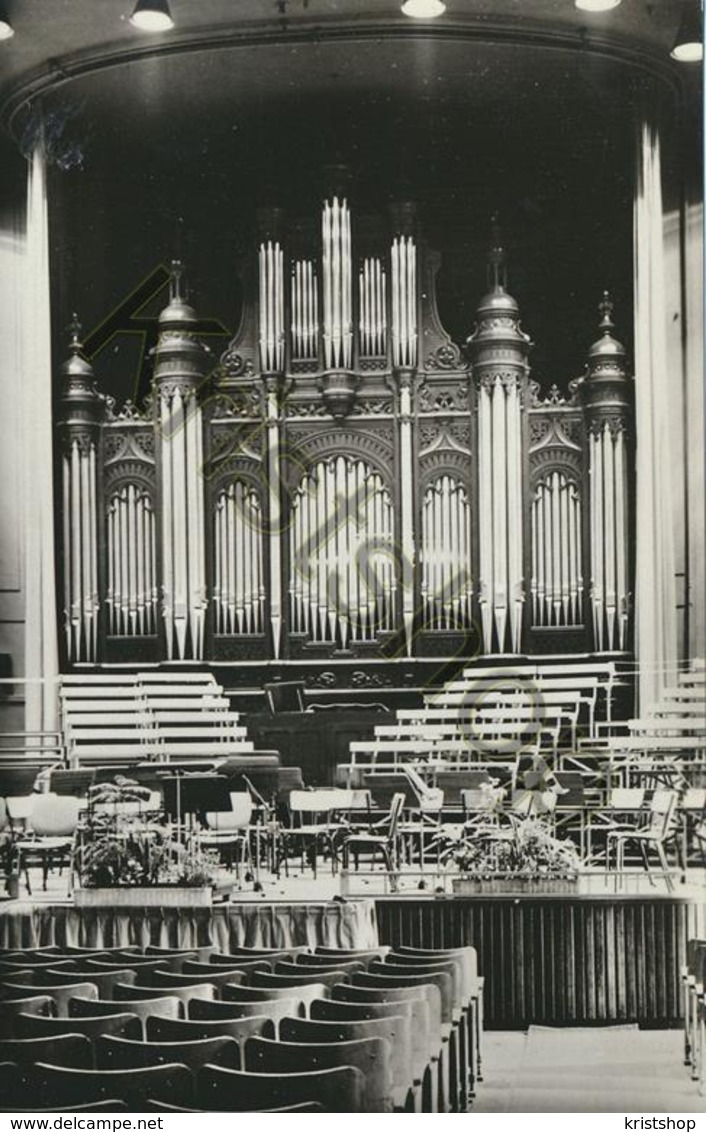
497, 268
176, 282
606, 308
75, 334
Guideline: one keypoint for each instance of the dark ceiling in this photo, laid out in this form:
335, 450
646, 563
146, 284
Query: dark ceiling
525, 107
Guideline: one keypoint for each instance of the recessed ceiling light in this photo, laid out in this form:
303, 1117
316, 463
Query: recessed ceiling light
152, 15
6, 29
423, 9
596, 5
688, 46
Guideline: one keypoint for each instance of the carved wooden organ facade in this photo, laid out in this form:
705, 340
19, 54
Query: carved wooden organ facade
348, 482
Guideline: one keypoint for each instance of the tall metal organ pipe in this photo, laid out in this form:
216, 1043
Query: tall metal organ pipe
177, 375
499, 349
82, 413
605, 395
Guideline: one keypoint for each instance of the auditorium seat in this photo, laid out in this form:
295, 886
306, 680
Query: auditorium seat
298, 979
104, 982
393, 1030
183, 994
165, 1006
255, 1006
239, 954
124, 1053
64, 1049
191, 1029
229, 1090
369, 1055
216, 978
59, 994
134, 1086
38, 1026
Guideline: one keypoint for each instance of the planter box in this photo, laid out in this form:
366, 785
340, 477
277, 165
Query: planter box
157, 896
515, 886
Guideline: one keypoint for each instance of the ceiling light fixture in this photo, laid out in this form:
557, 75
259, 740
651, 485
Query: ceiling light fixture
596, 5
152, 15
423, 9
689, 44
6, 29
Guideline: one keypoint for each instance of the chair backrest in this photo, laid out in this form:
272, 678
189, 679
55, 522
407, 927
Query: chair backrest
132, 1085
370, 1055
358, 1004
36, 1026
165, 1006
313, 806
189, 1030
122, 1053
396, 807
663, 813
55, 815
338, 1090
184, 994
275, 1007
394, 1029
62, 994
239, 816
63, 1049
626, 798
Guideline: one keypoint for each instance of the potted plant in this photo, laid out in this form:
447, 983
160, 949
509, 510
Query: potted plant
132, 856
524, 856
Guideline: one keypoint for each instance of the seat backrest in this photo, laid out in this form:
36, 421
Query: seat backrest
663, 812
55, 815
62, 1049
350, 1003
189, 1030
132, 1085
166, 1006
62, 994
122, 1053
36, 1026
626, 798
338, 1090
258, 1005
396, 807
440, 977
301, 986
332, 1025
399, 989
126, 993
370, 1055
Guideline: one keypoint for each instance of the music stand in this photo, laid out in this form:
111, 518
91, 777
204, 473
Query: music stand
196, 794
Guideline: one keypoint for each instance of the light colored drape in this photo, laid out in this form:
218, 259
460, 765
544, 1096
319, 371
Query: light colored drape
656, 635
41, 653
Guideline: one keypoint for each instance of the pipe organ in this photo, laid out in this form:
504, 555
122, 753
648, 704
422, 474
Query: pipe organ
347, 482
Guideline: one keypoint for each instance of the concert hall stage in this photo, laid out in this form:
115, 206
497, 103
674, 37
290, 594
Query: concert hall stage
593, 958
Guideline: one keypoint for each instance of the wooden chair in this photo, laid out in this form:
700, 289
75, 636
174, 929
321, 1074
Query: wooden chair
302, 991
660, 829
51, 826
229, 832
125, 993
380, 838
215, 978
369, 1055
104, 982
37, 1026
229, 1090
123, 1053
298, 974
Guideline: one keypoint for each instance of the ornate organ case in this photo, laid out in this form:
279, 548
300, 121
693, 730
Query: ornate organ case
348, 482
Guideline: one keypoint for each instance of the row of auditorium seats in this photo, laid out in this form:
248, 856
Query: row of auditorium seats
694, 990
255, 1030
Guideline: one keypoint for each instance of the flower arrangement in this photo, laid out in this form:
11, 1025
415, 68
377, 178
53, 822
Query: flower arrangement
124, 845
526, 849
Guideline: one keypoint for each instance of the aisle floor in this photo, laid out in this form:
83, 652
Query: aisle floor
597, 1069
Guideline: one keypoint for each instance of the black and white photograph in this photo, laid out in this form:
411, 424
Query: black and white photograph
352, 561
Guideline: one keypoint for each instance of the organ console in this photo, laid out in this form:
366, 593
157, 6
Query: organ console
348, 482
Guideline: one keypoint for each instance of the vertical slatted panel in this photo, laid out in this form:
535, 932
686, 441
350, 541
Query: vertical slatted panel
558, 962
239, 594
132, 590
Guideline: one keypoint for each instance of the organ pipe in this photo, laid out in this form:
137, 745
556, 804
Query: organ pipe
305, 311
446, 556
178, 361
404, 302
609, 545
342, 581
132, 593
337, 285
372, 307
239, 594
271, 307
556, 552
81, 551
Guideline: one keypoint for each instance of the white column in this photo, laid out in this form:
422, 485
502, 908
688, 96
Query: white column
407, 540
655, 597
41, 646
